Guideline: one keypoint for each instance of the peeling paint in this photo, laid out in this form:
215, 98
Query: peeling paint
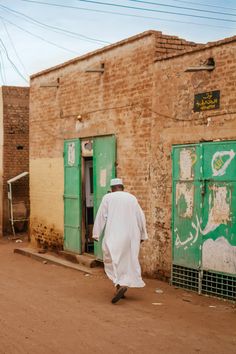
185, 164
71, 154
103, 178
219, 255
185, 199
219, 209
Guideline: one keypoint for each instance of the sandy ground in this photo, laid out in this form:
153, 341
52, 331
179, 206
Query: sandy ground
48, 309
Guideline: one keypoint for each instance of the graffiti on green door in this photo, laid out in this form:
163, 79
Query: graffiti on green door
204, 206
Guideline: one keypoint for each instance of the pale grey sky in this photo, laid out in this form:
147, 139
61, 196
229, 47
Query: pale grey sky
24, 38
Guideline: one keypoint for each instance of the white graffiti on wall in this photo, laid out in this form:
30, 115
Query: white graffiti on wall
218, 165
191, 239
219, 213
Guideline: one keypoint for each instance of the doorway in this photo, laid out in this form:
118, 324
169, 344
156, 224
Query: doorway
88, 213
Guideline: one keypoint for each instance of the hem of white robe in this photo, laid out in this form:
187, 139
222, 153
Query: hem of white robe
130, 285
139, 284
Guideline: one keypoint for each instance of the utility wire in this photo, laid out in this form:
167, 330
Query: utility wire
14, 48
37, 36
53, 28
154, 10
182, 7
11, 62
124, 14
2, 69
206, 5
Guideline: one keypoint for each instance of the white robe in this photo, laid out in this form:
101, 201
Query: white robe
125, 226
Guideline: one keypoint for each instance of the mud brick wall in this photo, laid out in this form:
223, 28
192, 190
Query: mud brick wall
47, 238
175, 122
118, 101
15, 145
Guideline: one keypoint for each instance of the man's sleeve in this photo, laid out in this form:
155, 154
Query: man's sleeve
100, 220
141, 223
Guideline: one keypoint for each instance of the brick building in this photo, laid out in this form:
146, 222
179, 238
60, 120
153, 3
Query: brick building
195, 122
14, 149
125, 106
102, 99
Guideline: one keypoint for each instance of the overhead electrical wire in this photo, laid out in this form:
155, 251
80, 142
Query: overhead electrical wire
14, 48
53, 28
206, 5
124, 14
154, 10
2, 72
39, 37
11, 62
181, 7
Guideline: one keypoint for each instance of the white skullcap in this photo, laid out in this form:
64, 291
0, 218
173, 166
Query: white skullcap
116, 182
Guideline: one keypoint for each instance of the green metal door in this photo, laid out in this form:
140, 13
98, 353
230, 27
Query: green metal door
104, 159
218, 226
72, 195
187, 201
204, 206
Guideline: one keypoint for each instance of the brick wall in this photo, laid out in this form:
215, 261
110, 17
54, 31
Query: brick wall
16, 145
119, 102
174, 122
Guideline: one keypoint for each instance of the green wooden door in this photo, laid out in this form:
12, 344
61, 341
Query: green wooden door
72, 195
104, 159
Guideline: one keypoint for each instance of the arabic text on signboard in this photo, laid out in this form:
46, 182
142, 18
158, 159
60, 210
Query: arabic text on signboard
206, 101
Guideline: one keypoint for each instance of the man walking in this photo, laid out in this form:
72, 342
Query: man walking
123, 222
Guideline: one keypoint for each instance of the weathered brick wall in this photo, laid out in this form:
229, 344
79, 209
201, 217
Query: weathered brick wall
174, 122
1, 162
16, 145
119, 102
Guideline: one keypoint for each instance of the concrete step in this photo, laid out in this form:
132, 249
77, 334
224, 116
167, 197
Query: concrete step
57, 260
84, 259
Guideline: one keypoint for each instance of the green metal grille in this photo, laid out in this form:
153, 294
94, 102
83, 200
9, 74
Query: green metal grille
186, 278
220, 285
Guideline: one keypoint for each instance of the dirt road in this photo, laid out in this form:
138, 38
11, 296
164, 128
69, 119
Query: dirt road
47, 309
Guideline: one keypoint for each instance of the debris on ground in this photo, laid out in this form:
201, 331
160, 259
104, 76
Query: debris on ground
157, 303
45, 262
158, 291
19, 241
